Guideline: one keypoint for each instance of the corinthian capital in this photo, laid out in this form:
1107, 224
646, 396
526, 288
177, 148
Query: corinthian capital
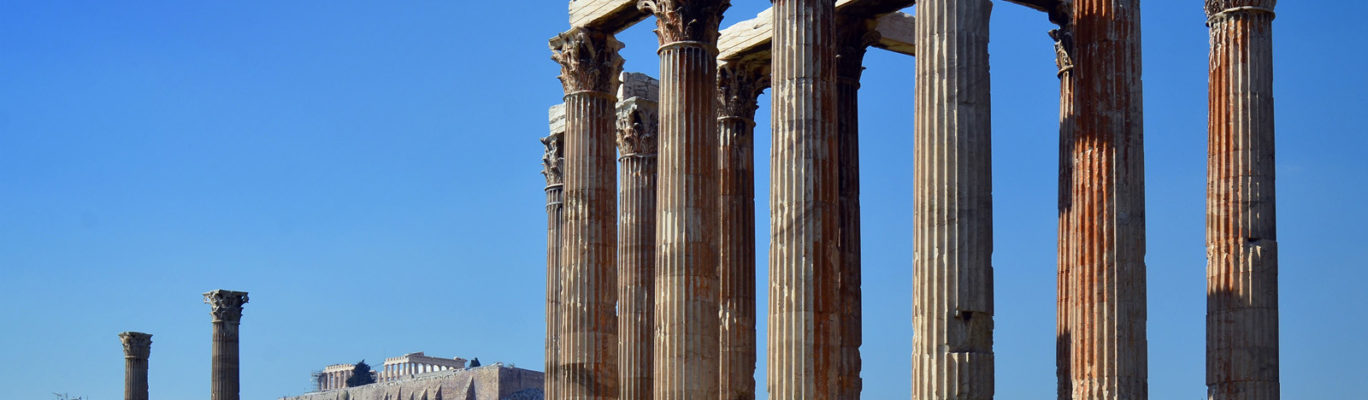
637, 126
553, 159
136, 344
589, 60
739, 83
686, 20
853, 37
1063, 45
226, 305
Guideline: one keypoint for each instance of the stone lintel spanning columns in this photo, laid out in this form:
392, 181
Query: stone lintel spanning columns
137, 347
751, 38
226, 308
589, 75
739, 84
637, 126
553, 159
615, 15
686, 322
952, 317
1102, 214
1241, 231
804, 257
853, 37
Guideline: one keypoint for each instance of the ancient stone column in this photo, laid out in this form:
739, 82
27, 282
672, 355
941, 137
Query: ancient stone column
854, 36
1066, 282
552, 161
589, 74
686, 320
952, 281
637, 125
1103, 214
803, 336
1241, 234
137, 347
739, 83
226, 308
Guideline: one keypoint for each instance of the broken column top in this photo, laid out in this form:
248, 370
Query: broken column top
636, 84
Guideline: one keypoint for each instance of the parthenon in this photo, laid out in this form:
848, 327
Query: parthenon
672, 259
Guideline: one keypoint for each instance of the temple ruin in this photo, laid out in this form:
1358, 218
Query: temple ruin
671, 260
490, 382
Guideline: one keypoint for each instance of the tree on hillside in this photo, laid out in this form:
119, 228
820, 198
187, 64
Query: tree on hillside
361, 375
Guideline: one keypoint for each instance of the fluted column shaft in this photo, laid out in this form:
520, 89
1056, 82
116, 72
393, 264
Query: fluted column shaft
952, 316
137, 347
1105, 209
588, 359
739, 84
1066, 283
227, 312
636, 129
1241, 233
686, 321
552, 161
854, 36
803, 337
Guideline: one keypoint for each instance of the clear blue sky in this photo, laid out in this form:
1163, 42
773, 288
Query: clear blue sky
369, 171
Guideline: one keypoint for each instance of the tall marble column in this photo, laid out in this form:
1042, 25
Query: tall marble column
1241, 233
1104, 212
226, 308
1066, 283
637, 125
686, 234
739, 83
589, 74
854, 36
952, 309
137, 347
552, 161
803, 337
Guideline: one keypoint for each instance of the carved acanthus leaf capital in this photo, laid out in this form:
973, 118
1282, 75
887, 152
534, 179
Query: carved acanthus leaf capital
136, 344
589, 60
739, 84
553, 159
686, 20
638, 125
1064, 50
853, 38
226, 305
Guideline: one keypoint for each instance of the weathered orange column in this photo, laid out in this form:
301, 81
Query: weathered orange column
952, 311
1105, 210
738, 86
854, 36
637, 125
137, 347
589, 74
1066, 282
552, 161
686, 235
226, 308
1241, 234
804, 257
